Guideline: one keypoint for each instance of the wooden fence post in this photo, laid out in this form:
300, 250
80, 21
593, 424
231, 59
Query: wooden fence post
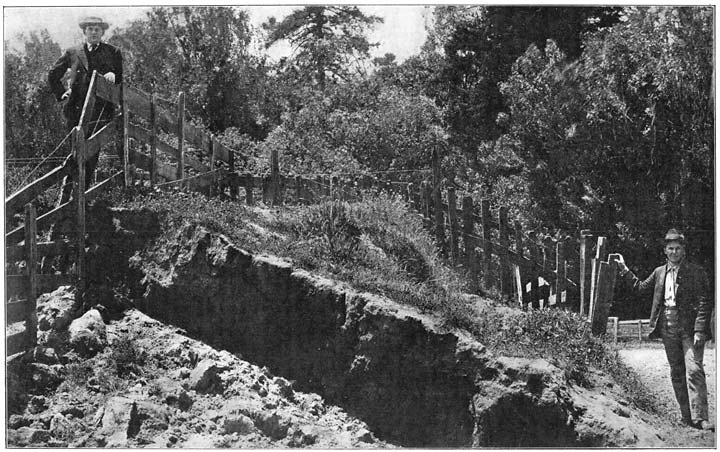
520, 267
299, 190
437, 201
334, 188
469, 241
487, 243
234, 182
454, 230
79, 148
584, 271
595, 271
505, 270
127, 171
153, 141
181, 137
275, 177
428, 204
534, 274
31, 259
213, 150
607, 274
560, 273
249, 198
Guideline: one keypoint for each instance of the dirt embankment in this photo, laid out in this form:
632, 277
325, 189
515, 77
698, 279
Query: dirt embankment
413, 381
401, 377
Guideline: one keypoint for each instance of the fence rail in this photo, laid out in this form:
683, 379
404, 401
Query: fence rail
21, 290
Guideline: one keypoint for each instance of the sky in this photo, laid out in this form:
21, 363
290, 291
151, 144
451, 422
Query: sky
402, 33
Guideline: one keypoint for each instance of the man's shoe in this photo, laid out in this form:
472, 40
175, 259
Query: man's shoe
689, 422
705, 425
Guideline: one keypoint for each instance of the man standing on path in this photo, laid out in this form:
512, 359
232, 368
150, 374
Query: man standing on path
680, 315
93, 55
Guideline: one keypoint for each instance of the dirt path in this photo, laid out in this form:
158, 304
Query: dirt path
650, 362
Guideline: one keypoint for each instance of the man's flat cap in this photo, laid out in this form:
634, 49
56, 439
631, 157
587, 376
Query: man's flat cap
673, 235
93, 20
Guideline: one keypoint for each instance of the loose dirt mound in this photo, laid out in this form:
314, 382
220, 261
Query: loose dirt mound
154, 387
650, 363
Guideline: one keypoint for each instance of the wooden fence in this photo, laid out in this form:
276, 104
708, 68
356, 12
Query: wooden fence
22, 289
628, 330
159, 142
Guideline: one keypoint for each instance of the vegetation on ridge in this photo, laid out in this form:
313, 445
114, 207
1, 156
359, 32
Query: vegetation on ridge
379, 245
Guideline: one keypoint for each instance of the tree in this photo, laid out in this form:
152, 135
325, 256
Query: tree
483, 44
34, 124
203, 51
326, 39
621, 139
361, 127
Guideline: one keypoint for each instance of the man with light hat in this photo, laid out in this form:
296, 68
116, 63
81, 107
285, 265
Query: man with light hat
680, 315
81, 61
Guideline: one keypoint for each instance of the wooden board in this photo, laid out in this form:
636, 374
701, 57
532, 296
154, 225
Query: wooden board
16, 311
102, 137
43, 221
15, 343
108, 91
31, 191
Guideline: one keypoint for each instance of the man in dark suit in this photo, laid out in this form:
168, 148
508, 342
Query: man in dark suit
680, 315
81, 61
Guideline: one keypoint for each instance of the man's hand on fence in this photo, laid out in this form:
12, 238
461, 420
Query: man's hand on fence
110, 77
621, 265
66, 94
699, 340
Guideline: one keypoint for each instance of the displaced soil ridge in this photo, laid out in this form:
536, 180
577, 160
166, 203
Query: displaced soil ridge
415, 382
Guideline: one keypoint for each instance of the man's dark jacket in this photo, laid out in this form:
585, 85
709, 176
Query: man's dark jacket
691, 298
106, 58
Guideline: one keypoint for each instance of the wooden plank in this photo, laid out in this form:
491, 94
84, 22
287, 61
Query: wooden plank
223, 152
180, 130
102, 137
469, 242
437, 200
560, 270
137, 101
534, 272
201, 183
17, 200
584, 271
196, 136
108, 91
16, 311
454, 227
143, 161
195, 164
89, 102
15, 286
127, 95
15, 343
153, 142
599, 254
80, 149
61, 211
145, 135
504, 252
487, 244
275, 187
520, 266
31, 260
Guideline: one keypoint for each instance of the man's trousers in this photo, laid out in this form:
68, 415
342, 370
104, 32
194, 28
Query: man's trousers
686, 368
